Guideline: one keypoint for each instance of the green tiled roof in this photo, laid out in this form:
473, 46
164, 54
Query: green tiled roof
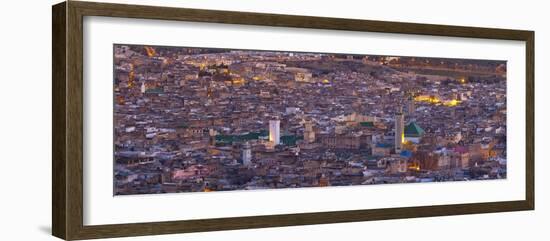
241, 138
182, 124
367, 124
413, 130
290, 140
154, 91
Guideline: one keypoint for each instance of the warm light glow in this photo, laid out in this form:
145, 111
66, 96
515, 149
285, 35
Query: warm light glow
326, 81
462, 80
403, 138
238, 81
436, 100
150, 51
452, 103
120, 100
415, 167
427, 98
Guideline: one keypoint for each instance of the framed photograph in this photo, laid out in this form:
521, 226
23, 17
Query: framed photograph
171, 120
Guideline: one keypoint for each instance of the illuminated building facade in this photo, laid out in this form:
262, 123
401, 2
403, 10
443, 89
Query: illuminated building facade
399, 130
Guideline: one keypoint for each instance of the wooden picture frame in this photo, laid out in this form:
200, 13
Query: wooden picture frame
67, 124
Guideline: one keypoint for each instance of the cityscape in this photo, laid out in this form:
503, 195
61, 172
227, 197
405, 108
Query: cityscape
190, 119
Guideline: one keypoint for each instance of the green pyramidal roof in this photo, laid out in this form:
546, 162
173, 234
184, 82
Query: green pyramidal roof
413, 130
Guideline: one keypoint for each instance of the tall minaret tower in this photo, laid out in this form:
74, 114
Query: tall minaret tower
246, 154
410, 105
309, 134
143, 87
212, 134
274, 131
399, 130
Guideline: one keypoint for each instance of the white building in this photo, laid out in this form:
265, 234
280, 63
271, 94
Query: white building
274, 131
143, 88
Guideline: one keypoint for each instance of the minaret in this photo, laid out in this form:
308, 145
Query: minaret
143, 88
246, 154
274, 131
309, 134
212, 134
410, 105
399, 130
